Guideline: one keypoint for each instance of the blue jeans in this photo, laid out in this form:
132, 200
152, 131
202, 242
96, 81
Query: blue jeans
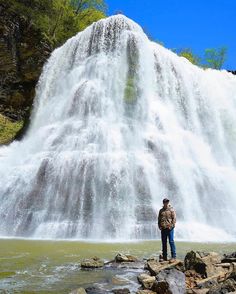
166, 233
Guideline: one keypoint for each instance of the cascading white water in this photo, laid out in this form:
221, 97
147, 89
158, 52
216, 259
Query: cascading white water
119, 123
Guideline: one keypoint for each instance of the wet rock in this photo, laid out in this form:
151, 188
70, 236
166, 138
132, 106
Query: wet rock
155, 266
121, 291
224, 265
192, 277
203, 263
229, 258
125, 258
146, 280
207, 283
94, 290
161, 287
169, 281
200, 291
192, 262
233, 275
145, 292
78, 291
136, 265
226, 287
131, 265
119, 281
94, 262
211, 259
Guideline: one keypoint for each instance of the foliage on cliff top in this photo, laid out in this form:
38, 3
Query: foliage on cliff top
58, 20
213, 57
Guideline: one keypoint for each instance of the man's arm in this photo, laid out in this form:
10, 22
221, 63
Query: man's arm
173, 215
159, 219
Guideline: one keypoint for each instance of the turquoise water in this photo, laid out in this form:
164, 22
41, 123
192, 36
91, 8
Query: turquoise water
35, 266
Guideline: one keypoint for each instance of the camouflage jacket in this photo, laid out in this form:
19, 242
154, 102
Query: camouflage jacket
166, 218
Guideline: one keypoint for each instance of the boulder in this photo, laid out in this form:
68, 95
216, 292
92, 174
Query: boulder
192, 277
203, 263
169, 281
154, 266
146, 280
229, 258
121, 291
223, 265
125, 258
94, 262
145, 292
207, 283
118, 281
162, 287
78, 291
233, 275
226, 287
94, 289
200, 291
193, 262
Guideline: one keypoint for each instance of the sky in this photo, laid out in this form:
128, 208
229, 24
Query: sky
195, 24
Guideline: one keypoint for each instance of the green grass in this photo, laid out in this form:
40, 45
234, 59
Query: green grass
8, 129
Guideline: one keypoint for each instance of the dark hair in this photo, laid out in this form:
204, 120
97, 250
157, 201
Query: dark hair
166, 200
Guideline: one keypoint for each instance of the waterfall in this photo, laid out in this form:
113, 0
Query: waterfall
118, 124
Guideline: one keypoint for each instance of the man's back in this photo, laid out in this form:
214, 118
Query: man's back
166, 217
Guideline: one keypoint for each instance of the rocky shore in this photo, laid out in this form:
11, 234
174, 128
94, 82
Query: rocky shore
197, 273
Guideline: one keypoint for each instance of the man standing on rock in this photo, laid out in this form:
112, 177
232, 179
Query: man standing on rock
166, 223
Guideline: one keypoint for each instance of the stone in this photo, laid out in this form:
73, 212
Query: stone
233, 259
211, 259
200, 291
229, 258
232, 275
162, 287
226, 287
94, 290
169, 281
121, 291
224, 265
146, 280
125, 258
207, 283
191, 278
145, 292
118, 281
154, 266
192, 262
203, 263
94, 262
78, 291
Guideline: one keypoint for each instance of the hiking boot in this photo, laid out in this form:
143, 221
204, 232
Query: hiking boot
173, 259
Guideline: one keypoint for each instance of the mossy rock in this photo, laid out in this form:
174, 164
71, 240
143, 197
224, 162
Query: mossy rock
130, 93
8, 129
94, 262
4, 275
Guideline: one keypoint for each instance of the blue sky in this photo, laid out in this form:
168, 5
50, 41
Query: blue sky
196, 24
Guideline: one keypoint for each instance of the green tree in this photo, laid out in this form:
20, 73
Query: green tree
215, 58
59, 20
81, 5
188, 54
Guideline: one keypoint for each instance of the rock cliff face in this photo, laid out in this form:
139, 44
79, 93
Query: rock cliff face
23, 51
